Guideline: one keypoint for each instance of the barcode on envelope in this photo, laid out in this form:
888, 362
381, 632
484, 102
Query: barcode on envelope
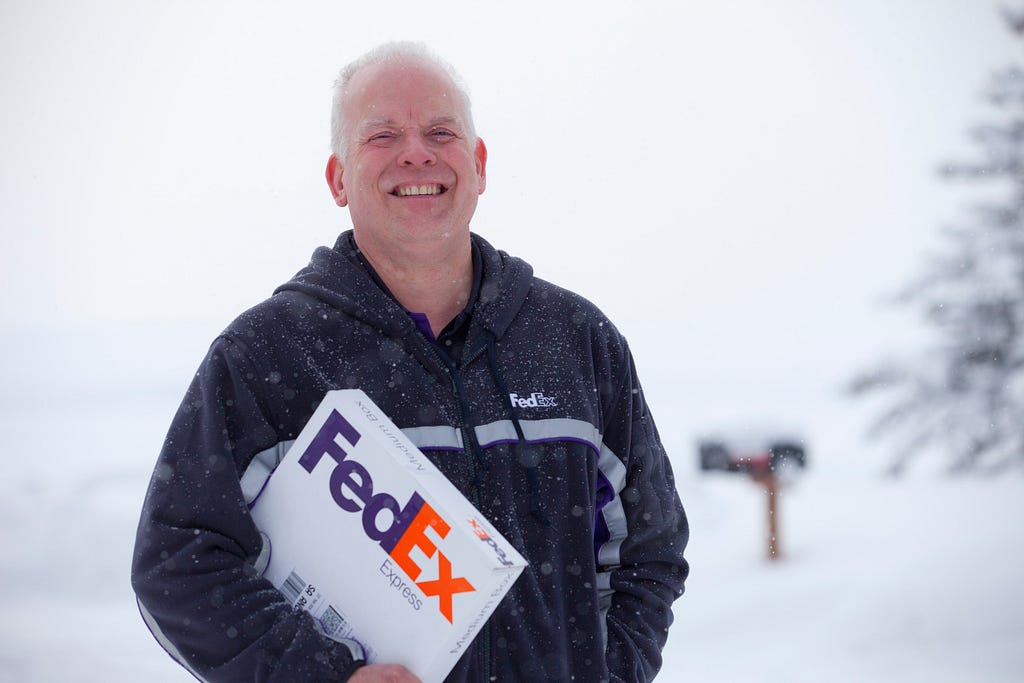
334, 624
292, 587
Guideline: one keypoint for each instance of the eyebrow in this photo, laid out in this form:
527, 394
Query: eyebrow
374, 123
446, 120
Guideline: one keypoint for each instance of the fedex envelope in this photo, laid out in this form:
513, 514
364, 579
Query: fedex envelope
367, 535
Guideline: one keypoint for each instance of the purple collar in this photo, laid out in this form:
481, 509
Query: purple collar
423, 325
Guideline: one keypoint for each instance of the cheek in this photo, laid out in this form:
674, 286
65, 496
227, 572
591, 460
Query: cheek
364, 188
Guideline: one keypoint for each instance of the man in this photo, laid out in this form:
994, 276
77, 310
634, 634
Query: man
529, 393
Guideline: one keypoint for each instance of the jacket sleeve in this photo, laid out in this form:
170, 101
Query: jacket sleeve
644, 565
193, 567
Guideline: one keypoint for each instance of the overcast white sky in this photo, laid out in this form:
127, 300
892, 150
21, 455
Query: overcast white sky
737, 183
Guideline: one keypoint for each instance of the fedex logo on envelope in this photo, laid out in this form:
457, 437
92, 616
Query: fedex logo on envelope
351, 487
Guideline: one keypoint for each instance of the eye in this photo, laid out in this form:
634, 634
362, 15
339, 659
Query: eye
383, 136
442, 134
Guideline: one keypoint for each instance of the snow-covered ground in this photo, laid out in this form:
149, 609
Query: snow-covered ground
880, 581
915, 580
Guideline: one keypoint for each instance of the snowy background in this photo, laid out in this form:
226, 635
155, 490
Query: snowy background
738, 184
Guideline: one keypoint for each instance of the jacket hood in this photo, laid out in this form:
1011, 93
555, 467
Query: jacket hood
338, 278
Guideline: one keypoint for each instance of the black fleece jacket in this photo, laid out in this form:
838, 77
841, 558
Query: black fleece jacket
539, 420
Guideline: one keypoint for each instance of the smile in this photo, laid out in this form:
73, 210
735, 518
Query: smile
419, 190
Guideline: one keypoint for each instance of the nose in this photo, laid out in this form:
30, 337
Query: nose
416, 152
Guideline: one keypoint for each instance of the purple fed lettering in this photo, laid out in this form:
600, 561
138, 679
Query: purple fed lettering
350, 476
324, 443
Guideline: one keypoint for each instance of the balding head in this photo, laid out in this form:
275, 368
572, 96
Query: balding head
389, 53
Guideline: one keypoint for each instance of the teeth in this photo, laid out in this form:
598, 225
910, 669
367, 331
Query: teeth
419, 190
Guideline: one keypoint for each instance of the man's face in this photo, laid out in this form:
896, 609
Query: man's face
412, 171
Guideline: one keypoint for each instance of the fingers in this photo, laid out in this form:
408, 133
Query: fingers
383, 673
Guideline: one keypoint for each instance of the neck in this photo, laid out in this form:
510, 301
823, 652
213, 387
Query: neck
435, 280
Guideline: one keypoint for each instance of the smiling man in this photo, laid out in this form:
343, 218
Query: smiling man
409, 166
522, 393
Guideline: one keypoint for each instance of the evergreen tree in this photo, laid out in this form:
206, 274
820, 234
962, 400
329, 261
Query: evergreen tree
964, 396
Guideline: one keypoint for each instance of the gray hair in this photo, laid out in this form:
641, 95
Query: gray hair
389, 53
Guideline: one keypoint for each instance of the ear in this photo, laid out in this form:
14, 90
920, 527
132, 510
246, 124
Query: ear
480, 153
335, 175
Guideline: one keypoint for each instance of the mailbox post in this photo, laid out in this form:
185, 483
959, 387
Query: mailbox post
769, 459
765, 476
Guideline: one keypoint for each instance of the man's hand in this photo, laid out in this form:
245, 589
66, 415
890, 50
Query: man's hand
383, 673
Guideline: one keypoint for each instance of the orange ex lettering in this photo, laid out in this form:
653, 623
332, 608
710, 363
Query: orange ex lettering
445, 586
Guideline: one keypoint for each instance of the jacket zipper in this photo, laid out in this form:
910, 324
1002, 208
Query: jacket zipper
484, 654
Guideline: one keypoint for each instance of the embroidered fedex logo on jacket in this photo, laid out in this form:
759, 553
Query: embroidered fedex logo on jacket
351, 486
535, 400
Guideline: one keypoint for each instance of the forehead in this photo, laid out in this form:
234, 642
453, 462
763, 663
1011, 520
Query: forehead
402, 92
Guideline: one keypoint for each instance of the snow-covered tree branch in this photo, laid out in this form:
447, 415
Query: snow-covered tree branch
963, 395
